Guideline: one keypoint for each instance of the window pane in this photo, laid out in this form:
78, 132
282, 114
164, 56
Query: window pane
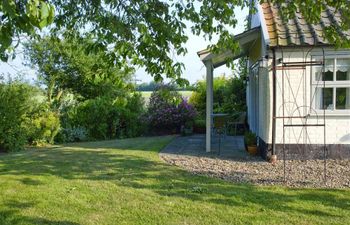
343, 69
342, 98
327, 75
324, 98
342, 75
318, 73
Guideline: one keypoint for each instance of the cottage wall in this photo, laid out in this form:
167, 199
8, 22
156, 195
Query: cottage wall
299, 101
298, 93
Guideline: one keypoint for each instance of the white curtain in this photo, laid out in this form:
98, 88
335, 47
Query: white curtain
343, 65
318, 98
329, 67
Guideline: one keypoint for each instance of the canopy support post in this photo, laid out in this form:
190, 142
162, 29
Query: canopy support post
209, 105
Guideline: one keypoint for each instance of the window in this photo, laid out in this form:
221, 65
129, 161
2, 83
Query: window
331, 86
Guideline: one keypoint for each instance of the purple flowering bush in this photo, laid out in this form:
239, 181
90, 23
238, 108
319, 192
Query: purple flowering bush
186, 112
168, 111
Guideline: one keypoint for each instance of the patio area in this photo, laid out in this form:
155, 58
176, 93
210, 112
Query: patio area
227, 147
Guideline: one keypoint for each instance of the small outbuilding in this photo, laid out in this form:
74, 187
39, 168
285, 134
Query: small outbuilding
298, 90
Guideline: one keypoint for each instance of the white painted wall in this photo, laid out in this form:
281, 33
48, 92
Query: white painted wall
298, 94
259, 102
265, 109
258, 89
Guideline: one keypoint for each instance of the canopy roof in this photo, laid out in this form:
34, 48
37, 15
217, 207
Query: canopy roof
245, 40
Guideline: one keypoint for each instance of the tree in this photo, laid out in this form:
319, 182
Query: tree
229, 93
150, 32
21, 17
151, 86
198, 97
235, 92
64, 65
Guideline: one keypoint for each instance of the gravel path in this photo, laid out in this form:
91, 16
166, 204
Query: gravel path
254, 170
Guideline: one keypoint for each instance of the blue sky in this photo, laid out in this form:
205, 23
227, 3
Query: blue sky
194, 70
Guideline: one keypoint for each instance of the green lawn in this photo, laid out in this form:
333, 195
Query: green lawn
125, 182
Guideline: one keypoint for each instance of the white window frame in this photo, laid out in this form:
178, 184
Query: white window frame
329, 84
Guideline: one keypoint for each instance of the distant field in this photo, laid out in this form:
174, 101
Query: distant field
147, 94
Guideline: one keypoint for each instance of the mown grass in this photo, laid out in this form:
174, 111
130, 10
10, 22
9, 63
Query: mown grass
125, 182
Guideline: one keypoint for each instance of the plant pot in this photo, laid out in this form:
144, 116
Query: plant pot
253, 150
273, 159
186, 131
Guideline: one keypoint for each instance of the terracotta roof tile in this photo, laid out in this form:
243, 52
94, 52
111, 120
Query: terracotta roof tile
298, 31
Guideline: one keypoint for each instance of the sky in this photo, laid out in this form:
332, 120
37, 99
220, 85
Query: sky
194, 68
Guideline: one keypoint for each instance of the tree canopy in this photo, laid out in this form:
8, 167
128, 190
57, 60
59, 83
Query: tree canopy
64, 65
147, 33
21, 17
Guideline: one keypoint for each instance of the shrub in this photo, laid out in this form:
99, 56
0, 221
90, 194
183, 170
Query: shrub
15, 105
187, 128
250, 138
74, 134
234, 96
42, 125
105, 117
228, 96
199, 126
198, 98
167, 111
131, 123
98, 116
186, 112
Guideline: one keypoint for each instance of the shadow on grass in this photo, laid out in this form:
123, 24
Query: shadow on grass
141, 170
140, 144
30, 181
12, 215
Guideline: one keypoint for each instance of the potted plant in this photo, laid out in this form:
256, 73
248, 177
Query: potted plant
187, 129
199, 126
250, 142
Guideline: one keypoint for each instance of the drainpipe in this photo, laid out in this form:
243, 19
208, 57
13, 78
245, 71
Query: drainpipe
273, 158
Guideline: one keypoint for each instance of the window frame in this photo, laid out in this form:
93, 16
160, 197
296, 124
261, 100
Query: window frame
329, 84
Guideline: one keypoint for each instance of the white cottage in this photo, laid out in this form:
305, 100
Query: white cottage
298, 92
